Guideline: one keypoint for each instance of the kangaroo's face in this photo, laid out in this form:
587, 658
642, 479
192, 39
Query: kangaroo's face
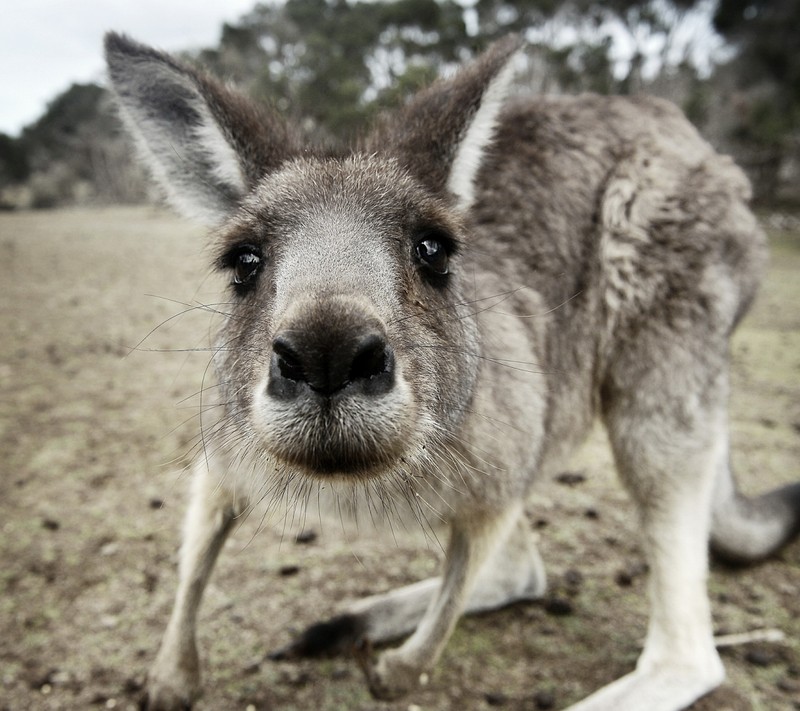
347, 338
348, 349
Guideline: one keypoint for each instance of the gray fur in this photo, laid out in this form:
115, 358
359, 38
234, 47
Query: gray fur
600, 254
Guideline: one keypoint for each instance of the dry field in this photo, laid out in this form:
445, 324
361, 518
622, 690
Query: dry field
101, 364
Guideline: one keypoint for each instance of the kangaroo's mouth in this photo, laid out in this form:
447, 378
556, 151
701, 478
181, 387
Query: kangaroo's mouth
332, 459
360, 455
350, 433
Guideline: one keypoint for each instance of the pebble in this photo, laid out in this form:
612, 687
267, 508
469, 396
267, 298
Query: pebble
306, 537
558, 606
59, 677
340, 673
297, 678
496, 698
760, 657
625, 577
252, 667
789, 685
571, 478
133, 685
109, 622
573, 578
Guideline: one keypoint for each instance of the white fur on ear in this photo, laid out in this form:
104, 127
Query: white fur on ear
478, 136
226, 165
173, 163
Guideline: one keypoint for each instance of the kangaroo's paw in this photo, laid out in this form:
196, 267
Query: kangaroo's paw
173, 682
176, 692
391, 676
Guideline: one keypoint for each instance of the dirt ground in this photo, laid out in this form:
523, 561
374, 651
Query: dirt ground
101, 365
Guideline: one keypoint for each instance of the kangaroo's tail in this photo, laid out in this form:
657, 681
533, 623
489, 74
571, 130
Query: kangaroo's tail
746, 530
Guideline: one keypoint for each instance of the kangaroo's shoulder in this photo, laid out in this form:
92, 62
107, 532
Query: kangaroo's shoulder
609, 120
595, 169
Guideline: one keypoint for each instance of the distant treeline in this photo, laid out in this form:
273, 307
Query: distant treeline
332, 65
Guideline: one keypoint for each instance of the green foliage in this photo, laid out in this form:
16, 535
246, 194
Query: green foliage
696, 104
332, 65
59, 135
68, 129
330, 61
768, 124
767, 34
73, 153
14, 164
65, 115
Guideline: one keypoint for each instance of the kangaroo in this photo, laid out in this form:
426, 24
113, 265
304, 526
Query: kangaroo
435, 317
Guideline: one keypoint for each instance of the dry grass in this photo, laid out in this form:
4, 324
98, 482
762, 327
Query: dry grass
95, 433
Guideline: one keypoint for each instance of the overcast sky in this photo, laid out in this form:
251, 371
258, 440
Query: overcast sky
46, 45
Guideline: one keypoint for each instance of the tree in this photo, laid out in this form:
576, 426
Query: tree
14, 163
63, 132
331, 62
767, 37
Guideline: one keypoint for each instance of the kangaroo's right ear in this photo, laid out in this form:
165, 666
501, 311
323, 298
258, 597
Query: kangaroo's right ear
206, 145
444, 133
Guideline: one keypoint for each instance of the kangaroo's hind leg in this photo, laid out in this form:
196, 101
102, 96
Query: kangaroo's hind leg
667, 423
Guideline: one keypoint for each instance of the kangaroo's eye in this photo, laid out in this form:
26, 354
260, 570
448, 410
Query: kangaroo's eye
245, 267
432, 253
244, 262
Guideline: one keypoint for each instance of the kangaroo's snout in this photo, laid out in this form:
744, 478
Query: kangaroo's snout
334, 400
327, 361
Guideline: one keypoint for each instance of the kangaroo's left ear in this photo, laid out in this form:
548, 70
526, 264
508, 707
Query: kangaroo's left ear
205, 144
443, 134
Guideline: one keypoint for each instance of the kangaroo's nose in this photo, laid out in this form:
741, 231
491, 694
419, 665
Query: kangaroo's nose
329, 361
